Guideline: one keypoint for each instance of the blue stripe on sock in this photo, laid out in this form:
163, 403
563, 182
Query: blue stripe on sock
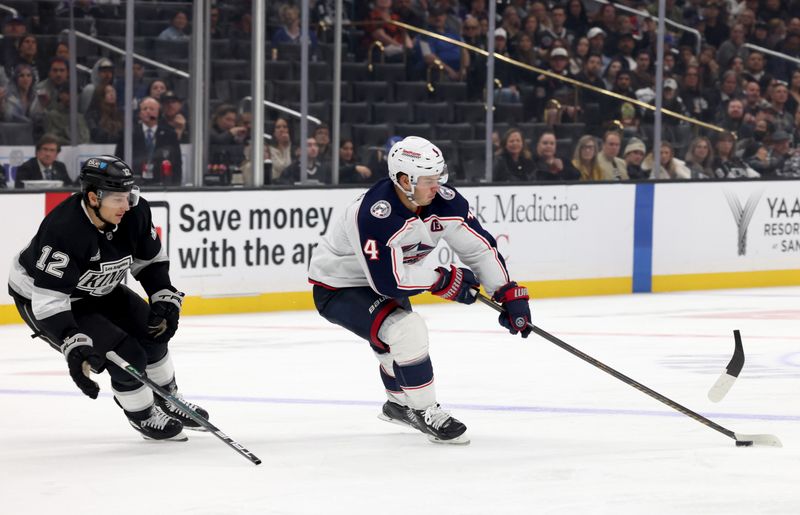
417, 374
643, 238
389, 382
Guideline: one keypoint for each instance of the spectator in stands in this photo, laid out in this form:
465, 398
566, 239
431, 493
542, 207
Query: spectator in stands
156, 88
613, 167
316, 169
734, 45
642, 75
783, 118
591, 75
747, 19
530, 26
515, 162
580, 53
525, 53
670, 166
453, 15
224, 130
793, 102
19, 95
699, 158
45, 165
507, 92
549, 167
771, 158
378, 160
753, 101
626, 45
556, 31
57, 122
672, 101
727, 165
762, 128
395, 39
709, 67
322, 134
280, 148
62, 50
177, 28
714, 28
216, 30
510, 22
47, 89
454, 59
629, 122
548, 87
733, 119
777, 32
610, 74
27, 53
622, 86
172, 113
754, 67
693, 98
102, 74
141, 86
350, 170
634, 155
577, 21
719, 96
597, 44
154, 144
584, 159
781, 68
290, 30
103, 117
477, 9
409, 14
13, 29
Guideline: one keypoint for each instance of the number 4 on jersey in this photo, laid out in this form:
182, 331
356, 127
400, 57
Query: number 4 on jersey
371, 250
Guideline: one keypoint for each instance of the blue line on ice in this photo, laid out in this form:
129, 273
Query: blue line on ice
472, 407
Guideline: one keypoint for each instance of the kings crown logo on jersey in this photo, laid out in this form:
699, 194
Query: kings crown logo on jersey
102, 282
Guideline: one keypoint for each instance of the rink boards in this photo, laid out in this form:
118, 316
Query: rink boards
247, 250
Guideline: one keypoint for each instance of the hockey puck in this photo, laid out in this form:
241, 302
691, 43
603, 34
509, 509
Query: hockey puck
744, 443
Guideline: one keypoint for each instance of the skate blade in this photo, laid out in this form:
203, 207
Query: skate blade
180, 437
458, 440
394, 421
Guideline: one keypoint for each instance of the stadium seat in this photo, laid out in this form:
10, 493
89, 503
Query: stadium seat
405, 91
469, 112
392, 112
371, 135
377, 91
508, 113
432, 112
316, 71
454, 131
356, 112
167, 49
423, 130
389, 72
354, 72
13, 133
451, 91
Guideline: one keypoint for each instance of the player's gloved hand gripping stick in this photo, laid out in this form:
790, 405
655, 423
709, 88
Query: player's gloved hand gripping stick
81, 356
741, 439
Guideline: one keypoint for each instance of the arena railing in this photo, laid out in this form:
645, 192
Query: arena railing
772, 53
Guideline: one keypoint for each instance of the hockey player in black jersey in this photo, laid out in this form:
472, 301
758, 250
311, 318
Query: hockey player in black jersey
372, 261
67, 286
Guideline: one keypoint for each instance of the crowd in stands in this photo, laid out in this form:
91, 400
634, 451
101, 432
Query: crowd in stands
545, 129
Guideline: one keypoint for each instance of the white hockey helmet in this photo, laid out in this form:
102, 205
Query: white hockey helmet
416, 157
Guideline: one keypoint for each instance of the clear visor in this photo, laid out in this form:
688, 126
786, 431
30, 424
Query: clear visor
426, 181
120, 199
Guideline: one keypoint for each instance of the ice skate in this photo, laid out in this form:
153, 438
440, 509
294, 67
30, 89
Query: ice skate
439, 426
154, 424
397, 414
175, 412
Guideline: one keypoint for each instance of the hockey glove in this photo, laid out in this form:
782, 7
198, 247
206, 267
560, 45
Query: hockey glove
516, 315
456, 284
81, 356
165, 309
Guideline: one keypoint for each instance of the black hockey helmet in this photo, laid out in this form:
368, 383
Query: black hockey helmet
106, 173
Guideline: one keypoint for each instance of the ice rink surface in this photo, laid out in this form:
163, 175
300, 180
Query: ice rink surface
550, 433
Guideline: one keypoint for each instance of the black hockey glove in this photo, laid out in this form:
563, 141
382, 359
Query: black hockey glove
516, 315
456, 284
81, 356
165, 309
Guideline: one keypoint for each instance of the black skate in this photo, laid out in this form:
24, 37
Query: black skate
439, 426
154, 424
175, 412
397, 414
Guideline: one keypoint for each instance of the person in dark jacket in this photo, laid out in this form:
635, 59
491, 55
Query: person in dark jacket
44, 166
515, 162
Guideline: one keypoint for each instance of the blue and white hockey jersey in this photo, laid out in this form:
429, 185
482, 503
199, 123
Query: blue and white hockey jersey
378, 242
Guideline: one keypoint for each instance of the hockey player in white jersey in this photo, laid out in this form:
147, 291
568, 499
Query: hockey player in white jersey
371, 262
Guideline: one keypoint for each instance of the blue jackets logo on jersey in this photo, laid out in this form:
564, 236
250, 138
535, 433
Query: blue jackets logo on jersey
381, 209
447, 193
101, 282
415, 253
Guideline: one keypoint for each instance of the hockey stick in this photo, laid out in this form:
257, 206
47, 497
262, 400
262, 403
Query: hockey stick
741, 439
133, 371
726, 380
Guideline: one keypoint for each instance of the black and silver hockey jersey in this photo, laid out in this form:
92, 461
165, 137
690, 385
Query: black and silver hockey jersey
70, 259
378, 242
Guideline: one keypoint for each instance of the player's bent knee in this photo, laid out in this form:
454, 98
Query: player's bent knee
406, 335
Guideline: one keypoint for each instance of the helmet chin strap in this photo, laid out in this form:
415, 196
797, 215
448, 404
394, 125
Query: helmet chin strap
96, 210
410, 194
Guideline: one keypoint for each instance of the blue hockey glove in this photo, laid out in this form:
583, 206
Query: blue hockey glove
165, 309
456, 284
516, 315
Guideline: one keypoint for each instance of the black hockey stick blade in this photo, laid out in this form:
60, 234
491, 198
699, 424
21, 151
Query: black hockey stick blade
741, 440
726, 380
161, 392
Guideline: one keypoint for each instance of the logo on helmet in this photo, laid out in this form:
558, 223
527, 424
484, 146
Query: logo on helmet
411, 153
94, 163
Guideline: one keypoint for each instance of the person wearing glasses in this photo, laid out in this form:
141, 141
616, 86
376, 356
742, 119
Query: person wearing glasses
372, 261
67, 284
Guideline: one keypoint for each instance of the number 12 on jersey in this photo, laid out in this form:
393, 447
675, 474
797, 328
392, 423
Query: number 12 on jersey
371, 250
60, 260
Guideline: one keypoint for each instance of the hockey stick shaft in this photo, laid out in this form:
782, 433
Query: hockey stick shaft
161, 392
622, 377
